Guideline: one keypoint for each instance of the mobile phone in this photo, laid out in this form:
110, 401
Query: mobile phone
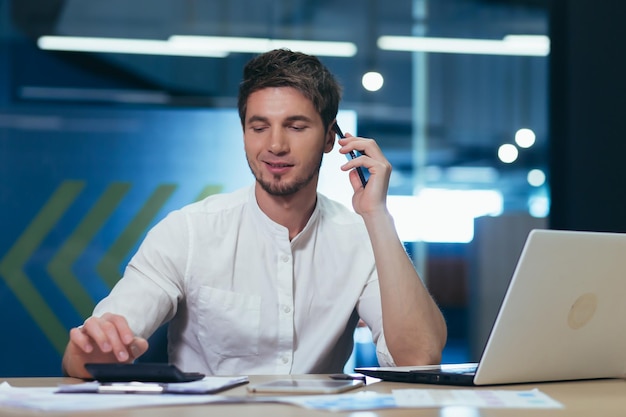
305, 386
364, 174
140, 372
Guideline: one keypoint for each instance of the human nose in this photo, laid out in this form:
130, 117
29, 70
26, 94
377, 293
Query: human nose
278, 143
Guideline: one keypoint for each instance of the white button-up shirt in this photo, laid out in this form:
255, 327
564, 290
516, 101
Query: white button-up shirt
244, 299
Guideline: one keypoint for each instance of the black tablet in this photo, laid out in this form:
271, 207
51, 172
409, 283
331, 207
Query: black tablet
140, 372
305, 386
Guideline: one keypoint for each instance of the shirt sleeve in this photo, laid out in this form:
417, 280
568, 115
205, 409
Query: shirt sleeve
382, 352
370, 310
148, 293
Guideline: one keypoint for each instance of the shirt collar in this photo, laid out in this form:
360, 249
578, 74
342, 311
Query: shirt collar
279, 231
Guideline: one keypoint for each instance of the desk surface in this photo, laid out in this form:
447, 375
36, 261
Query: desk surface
580, 398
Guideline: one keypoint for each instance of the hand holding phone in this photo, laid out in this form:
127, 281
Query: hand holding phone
363, 172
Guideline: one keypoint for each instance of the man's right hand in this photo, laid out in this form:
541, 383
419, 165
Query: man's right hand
105, 339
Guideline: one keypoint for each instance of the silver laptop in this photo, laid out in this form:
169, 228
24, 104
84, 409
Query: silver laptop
563, 317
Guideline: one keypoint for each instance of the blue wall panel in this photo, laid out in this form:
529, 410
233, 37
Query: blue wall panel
79, 189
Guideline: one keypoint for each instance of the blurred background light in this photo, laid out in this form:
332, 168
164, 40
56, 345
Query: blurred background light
521, 45
525, 138
442, 215
536, 177
508, 153
372, 81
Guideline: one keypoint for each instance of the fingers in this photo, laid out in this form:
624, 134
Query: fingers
366, 146
109, 334
80, 338
371, 199
138, 347
372, 158
106, 339
371, 155
121, 325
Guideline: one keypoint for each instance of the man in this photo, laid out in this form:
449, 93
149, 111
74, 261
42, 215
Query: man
272, 279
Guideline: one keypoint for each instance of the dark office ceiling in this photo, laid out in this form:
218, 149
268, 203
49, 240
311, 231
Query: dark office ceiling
474, 103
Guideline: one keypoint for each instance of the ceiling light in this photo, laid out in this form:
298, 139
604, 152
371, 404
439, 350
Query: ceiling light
123, 46
199, 46
372, 81
525, 138
260, 45
522, 45
508, 153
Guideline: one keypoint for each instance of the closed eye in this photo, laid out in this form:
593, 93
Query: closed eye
297, 128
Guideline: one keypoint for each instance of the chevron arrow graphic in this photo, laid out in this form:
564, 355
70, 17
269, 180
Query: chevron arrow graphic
60, 267
209, 190
12, 265
109, 267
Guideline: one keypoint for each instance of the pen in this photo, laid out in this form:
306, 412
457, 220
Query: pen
352, 377
132, 388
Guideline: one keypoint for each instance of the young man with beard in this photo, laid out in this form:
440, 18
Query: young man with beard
273, 278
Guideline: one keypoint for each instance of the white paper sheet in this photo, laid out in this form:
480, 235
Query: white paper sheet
480, 398
207, 385
428, 398
48, 399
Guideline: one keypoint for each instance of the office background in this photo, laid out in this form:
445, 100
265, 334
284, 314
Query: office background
96, 147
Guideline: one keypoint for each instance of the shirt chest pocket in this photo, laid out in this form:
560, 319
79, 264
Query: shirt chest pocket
228, 322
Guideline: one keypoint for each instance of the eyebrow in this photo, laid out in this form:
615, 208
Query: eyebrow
294, 118
252, 119
299, 118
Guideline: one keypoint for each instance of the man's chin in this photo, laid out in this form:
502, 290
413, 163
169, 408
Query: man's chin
280, 189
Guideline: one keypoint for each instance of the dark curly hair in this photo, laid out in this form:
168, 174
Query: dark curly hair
285, 68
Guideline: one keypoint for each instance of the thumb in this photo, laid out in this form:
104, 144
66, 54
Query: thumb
138, 347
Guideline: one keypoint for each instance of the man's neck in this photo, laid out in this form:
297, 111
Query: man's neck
292, 211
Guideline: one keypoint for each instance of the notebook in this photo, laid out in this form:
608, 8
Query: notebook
562, 318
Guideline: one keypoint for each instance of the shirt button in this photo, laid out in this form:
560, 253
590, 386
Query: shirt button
285, 258
287, 309
285, 359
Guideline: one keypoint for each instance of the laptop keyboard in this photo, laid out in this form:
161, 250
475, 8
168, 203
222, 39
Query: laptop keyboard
466, 370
